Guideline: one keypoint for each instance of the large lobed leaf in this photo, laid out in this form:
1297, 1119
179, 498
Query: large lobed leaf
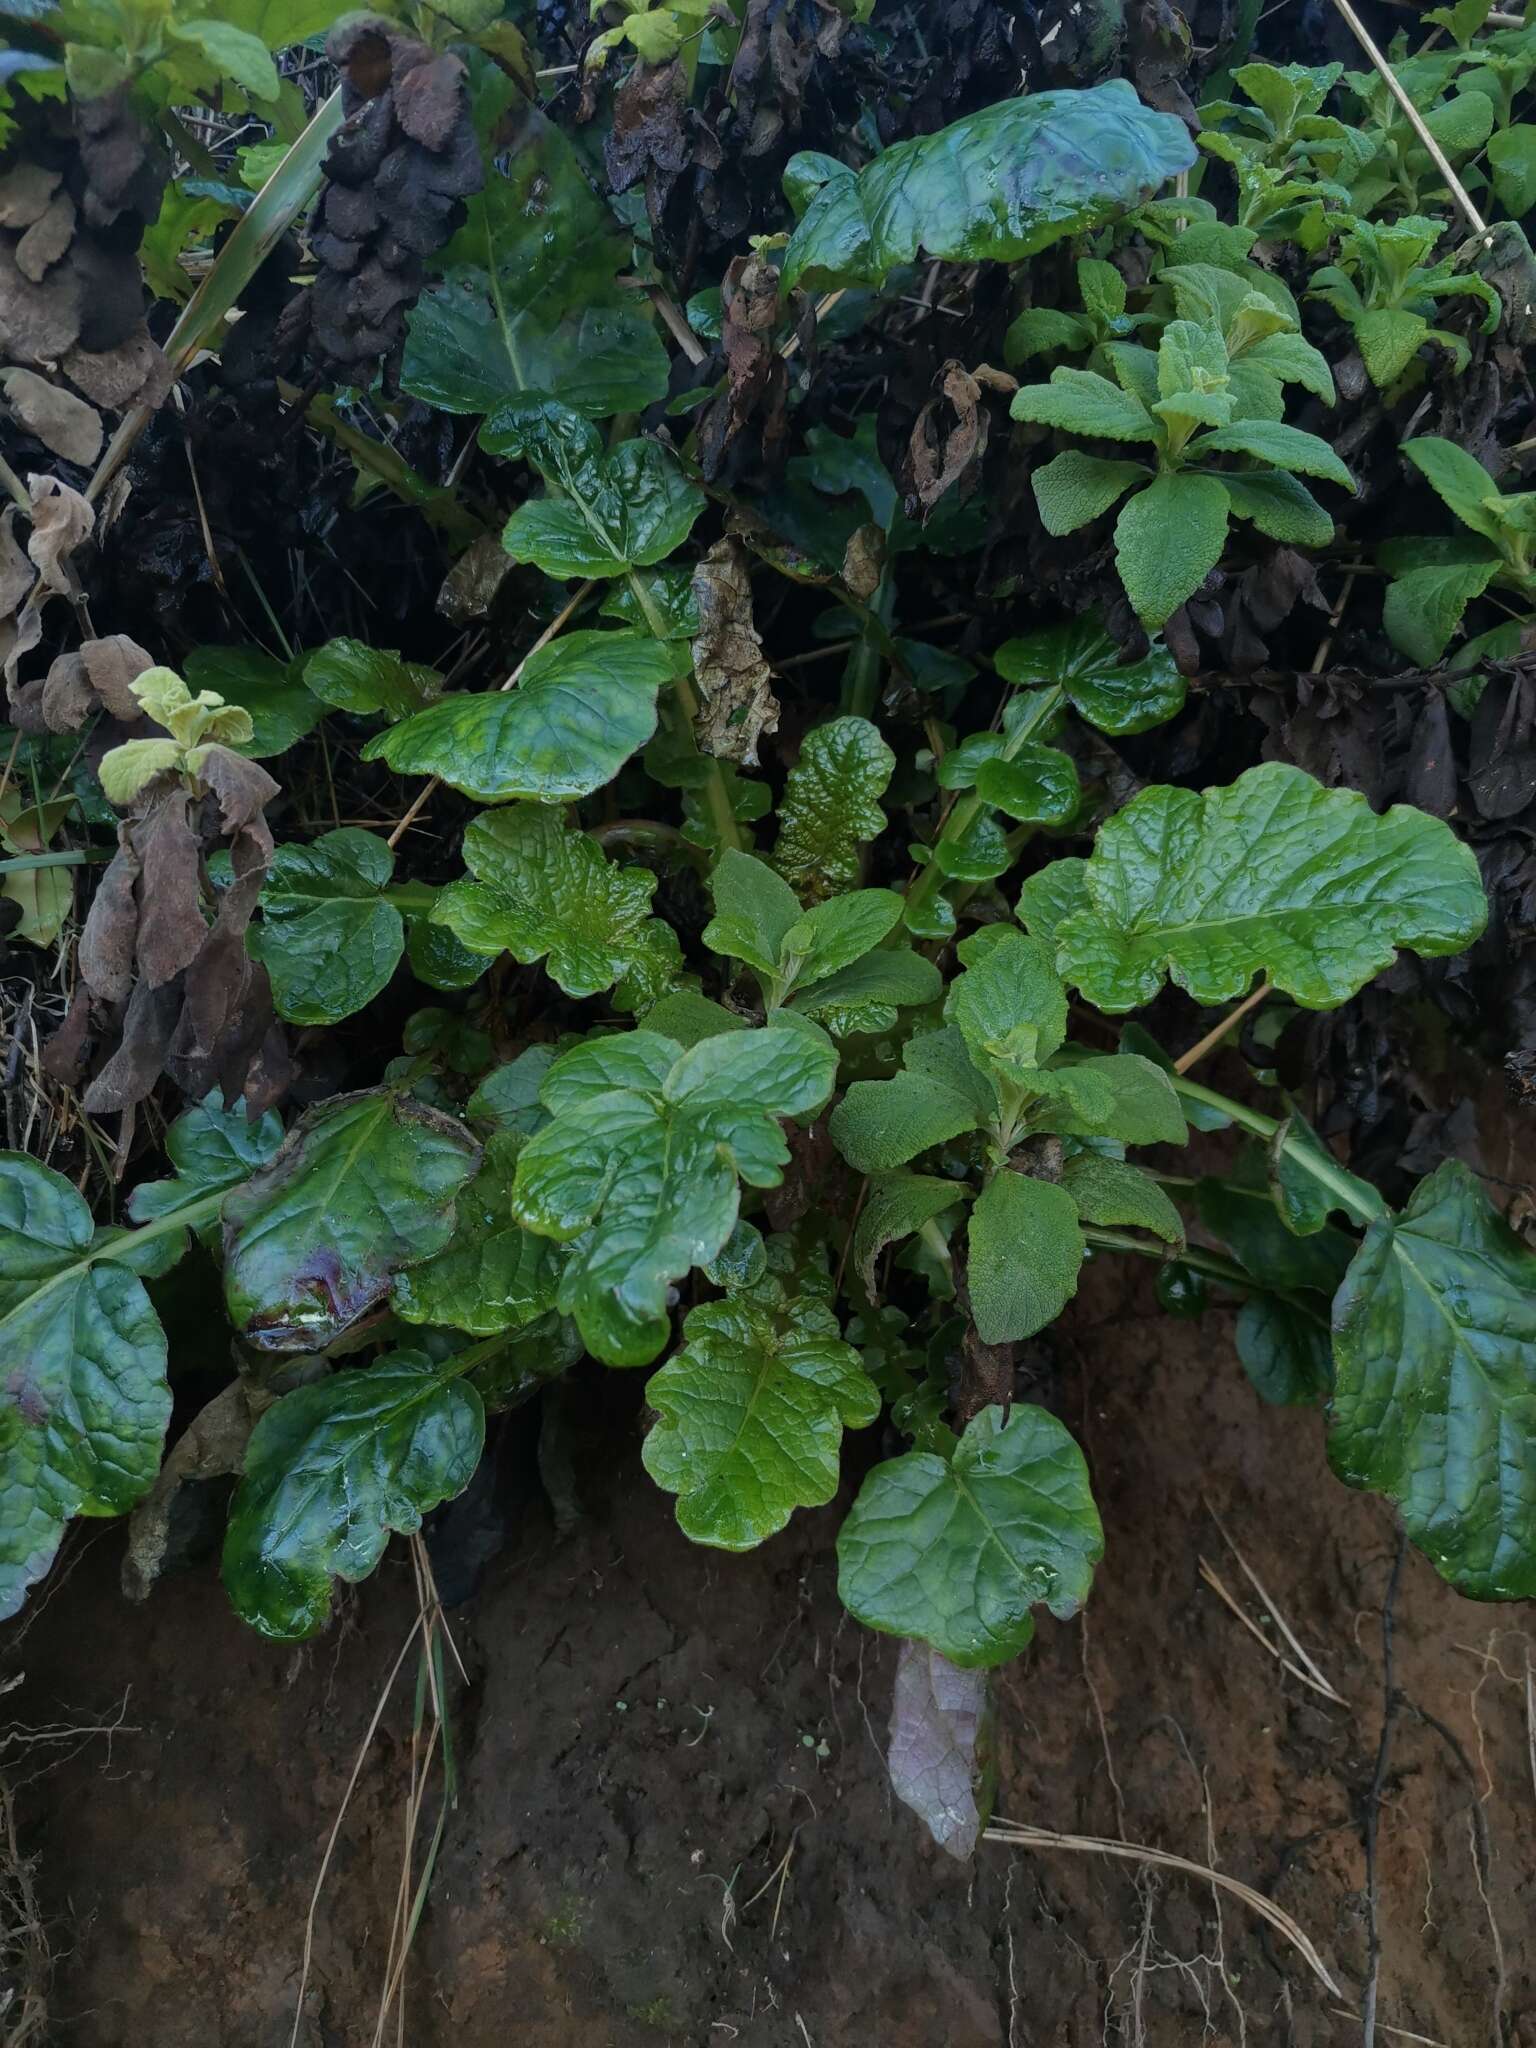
752, 1413
640, 1162
1000, 184
330, 1470
362, 1186
957, 1551
1434, 1405
1271, 874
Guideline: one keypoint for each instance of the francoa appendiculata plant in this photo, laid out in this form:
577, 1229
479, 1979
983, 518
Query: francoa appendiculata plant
409, 1257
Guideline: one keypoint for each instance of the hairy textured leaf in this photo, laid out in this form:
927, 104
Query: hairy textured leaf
940, 1720
1075, 488
755, 910
956, 1552
528, 298
282, 710
83, 1397
492, 1275
1168, 539
1274, 873
1434, 1337
1000, 184
1026, 1252
616, 510
831, 807
866, 995
328, 938
1112, 1193
540, 889
580, 708
330, 1471
753, 1410
898, 1205
937, 1095
362, 1186
638, 1167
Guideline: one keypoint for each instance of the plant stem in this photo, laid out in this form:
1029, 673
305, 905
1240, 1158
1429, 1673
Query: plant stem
861, 680
684, 705
413, 898
1042, 707
24, 863
1218, 1032
1211, 1263
1344, 1188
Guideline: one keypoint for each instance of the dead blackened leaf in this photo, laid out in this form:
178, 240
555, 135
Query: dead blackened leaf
949, 438
774, 58
1160, 45
58, 418
647, 138
737, 704
757, 376
940, 1736
471, 585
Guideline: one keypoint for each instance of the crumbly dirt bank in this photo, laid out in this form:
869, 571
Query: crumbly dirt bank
674, 1825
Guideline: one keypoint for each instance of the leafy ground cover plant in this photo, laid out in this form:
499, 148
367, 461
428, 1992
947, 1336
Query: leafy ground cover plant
754, 867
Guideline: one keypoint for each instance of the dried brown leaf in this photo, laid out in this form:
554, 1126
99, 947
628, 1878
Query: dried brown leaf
737, 704
25, 192
38, 322
135, 1067
111, 665
111, 927
16, 572
63, 423
47, 238
172, 928
864, 561
61, 520
134, 373
211, 1447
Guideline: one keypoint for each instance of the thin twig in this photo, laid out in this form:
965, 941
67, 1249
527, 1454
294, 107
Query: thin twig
1317, 1677
430, 789
1218, 1032
1019, 1835
823, 308
1208, 1574
1415, 119
1389, 1706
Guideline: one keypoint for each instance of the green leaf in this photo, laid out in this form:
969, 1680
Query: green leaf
211, 1148
234, 56
1112, 1193
1512, 159
1117, 696
369, 681
830, 808
361, 1187
1083, 402
897, 1206
1075, 488
83, 1397
1459, 479
937, 1095
1277, 445
492, 1275
1273, 873
1283, 1347
580, 708
1435, 1402
1000, 184
1026, 1252
1008, 1003
508, 1098
754, 911
955, 1553
617, 511
1242, 1212
866, 995
1423, 609
1278, 505
330, 1471
1290, 360
542, 891
1388, 340
640, 1161
282, 710
1134, 1099
528, 298
752, 1413
831, 936
1037, 784
1168, 539
1040, 330
328, 938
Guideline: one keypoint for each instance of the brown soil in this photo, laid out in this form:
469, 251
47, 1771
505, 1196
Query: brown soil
652, 1729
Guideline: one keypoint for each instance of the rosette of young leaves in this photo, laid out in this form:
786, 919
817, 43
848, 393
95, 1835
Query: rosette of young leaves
752, 1412
1172, 529
492, 1275
1287, 156
361, 1187
274, 695
828, 962
956, 1551
579, 709
1273, 873
1434, 1402
1000, 184
331, 1470
528, 298
541, 891
1000, 1067
1260, 323
1386, 290
617, 510
1401, 172
329, 938
1434, 580
638, 1167
830, 808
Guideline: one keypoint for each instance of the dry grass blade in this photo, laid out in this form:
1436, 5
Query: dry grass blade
26, 1964
1218, 1032
1208, 1574
1020, 1835
1398, 2033
1415, 119
1317, 1680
